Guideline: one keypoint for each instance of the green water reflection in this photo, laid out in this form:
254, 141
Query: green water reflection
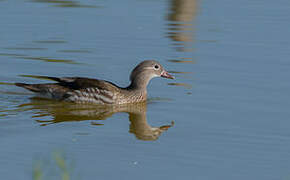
57, 166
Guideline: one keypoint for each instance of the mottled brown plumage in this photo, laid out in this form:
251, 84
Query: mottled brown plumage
86, 90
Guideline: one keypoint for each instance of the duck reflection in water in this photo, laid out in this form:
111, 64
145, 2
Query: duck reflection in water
68, 112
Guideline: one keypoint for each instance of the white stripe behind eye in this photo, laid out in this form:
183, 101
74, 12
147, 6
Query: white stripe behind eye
148, 68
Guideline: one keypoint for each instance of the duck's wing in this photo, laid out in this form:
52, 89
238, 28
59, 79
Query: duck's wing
76, 89
89, 90
78, 83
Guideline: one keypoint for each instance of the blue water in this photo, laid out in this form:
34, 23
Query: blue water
229, 101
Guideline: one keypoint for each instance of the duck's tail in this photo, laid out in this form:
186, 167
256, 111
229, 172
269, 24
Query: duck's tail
31, 87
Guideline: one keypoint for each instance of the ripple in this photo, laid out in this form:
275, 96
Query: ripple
24, 48
75, 51
184, 60
50, 41
179, 72
12, 54
209, 41
76, 5
185, 28
5, 83
35, 77
64, 3
47, 59
180, 27
177, 24
187, 86
180, 36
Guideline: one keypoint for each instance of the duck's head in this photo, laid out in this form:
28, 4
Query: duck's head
146, 70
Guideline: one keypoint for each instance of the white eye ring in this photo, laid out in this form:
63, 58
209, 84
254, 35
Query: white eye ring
156, 66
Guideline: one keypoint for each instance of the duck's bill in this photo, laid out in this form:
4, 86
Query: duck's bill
166, 75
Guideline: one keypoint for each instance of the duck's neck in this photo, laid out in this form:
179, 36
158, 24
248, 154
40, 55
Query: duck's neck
139, 83
136, 91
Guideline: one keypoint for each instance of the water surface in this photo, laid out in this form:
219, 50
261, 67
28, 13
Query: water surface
225, 116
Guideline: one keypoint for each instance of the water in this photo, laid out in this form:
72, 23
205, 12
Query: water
229, 101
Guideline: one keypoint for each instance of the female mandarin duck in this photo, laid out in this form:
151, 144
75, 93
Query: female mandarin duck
85, 90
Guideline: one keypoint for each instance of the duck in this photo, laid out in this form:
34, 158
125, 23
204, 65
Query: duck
101, 92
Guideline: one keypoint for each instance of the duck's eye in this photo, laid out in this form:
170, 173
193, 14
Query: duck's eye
156, 66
